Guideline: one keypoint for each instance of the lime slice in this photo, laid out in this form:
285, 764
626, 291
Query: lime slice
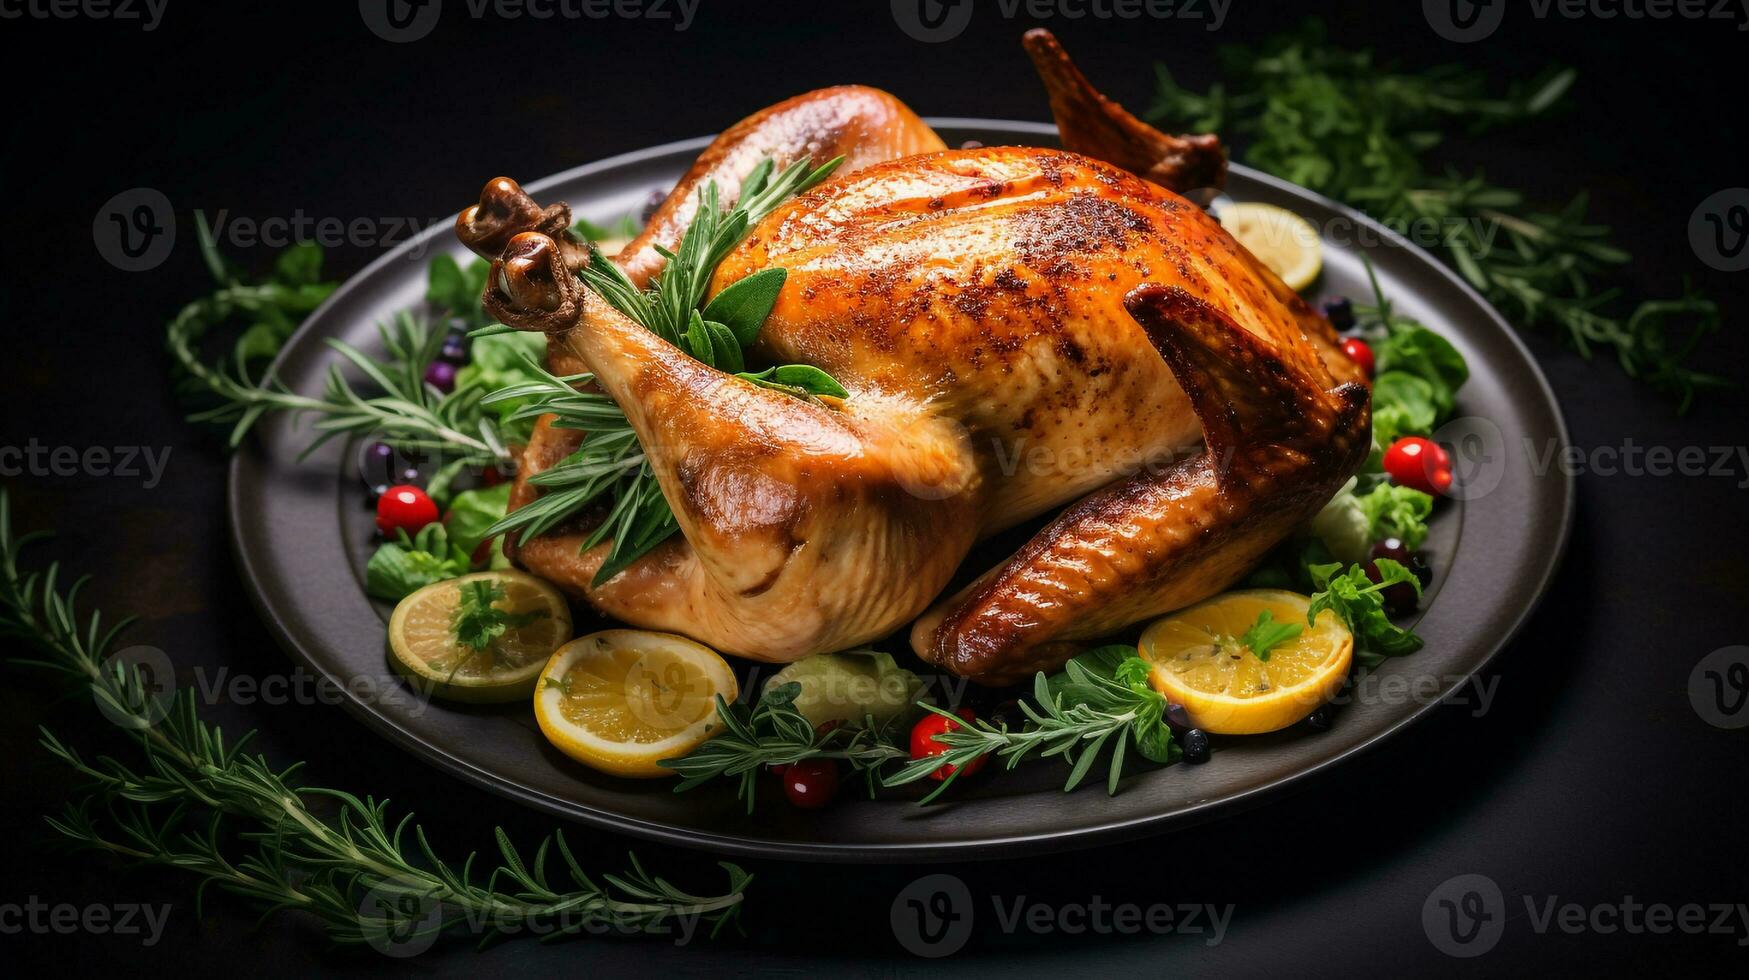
850, 687
425, 648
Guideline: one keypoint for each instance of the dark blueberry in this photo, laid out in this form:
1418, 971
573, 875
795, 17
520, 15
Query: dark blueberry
651, 203
410, 475
1177, 718
454, 351
376, 491
1340, 312
441, 375
376, 463
1196, 746
1007, 714
1400, 599
1321, 719
1394, 549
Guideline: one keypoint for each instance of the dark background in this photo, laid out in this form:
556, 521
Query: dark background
1591, 779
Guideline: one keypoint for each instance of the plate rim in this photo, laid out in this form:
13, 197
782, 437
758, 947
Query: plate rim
889, 852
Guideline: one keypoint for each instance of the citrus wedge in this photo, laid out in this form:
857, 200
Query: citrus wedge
1280, 239
1201, 663
425, 647
622, 700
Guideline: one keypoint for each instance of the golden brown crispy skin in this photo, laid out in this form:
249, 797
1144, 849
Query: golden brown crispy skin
864, 125
1278, 446
989, 284
1092, 124
973, 304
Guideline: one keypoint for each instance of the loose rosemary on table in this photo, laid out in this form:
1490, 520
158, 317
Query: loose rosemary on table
201, 803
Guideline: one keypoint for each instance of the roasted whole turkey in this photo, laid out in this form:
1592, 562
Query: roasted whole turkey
1023, 332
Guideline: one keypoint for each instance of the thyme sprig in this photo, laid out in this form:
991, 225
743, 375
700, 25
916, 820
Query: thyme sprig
202, 804
1339, 122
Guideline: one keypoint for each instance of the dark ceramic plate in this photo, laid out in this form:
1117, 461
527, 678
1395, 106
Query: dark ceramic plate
302, 532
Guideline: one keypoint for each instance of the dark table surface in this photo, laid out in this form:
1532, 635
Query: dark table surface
1591, 779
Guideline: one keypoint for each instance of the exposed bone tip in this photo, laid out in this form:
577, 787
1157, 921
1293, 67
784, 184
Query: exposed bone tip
504, 210
526, 272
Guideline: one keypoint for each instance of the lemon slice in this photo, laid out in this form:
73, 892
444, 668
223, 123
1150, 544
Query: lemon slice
611, 247
622, 700
1280, 239
1224, 687
426, 649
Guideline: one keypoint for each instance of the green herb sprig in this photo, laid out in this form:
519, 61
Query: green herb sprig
1266, 634
402, 410
610, 466
1339, 122
1100, 697
477, 622
201, 804
1360, 603
774, 733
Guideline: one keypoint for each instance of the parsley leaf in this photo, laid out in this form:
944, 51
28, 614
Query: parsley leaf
405, 565
1359, 602
477, 623
1266, 634
1394, 511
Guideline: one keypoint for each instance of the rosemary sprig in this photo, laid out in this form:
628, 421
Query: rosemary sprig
774, 733
610, 465
404, 411
1101, 696
201, 804
1340, 123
